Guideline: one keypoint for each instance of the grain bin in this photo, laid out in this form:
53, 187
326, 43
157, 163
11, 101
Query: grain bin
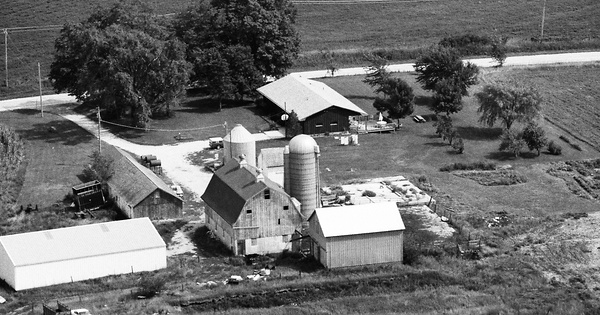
239, 142
301, 172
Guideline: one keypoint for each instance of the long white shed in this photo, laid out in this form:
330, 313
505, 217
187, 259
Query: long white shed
357, 235
50, 257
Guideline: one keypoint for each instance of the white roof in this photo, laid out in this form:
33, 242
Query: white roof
81, 241
305, 97
359, 219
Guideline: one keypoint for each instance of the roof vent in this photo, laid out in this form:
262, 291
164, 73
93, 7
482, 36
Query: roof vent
48, 235
260, 177
243, 162
104, 228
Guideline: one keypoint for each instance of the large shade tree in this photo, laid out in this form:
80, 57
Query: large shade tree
441, 70
508, 103
397, 98
121, 58
245, 41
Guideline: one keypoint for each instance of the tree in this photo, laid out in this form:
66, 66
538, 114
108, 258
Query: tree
458, 145
292, 125
377, 72
509, 104
534, 137
512, 141
121, 58
498, 49
444, 63
447, 97
398, 99
257, 39
443, 125
100, 169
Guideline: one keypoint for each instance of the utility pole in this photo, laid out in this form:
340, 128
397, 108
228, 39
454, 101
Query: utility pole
40, 81
6, 55
99, 140
543, 19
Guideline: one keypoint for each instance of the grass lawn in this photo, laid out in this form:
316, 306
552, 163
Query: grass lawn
200, 118
55, 159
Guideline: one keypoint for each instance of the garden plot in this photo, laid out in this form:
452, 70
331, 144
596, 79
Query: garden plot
397, 189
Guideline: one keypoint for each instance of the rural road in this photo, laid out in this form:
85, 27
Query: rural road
196, 179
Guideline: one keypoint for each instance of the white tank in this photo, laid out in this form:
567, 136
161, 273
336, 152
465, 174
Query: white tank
301, 172
239, 142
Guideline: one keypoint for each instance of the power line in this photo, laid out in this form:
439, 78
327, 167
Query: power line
161, 130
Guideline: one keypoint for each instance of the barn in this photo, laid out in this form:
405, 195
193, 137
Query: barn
356, 235
320, 109
138, 192
44, 258
248, 212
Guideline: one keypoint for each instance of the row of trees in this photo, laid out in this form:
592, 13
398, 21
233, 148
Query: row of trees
128, 59
442, 71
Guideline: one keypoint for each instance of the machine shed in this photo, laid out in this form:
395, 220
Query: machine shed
357, 235
44, 258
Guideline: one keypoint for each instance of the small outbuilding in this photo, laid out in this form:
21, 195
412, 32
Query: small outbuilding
44, 258
138, 191
320, 109
357, 235
248, 212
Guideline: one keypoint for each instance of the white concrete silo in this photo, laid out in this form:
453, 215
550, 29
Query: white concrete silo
301, 172
239, 142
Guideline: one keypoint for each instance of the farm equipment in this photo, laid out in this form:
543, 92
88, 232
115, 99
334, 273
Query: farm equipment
88, 196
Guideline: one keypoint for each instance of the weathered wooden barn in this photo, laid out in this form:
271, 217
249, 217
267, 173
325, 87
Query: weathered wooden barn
356, 235
320, 109
137, 191
43, 258
248, 212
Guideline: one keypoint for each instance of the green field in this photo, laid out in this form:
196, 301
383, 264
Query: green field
347, 30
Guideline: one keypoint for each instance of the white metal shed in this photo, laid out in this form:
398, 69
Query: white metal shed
50, 257
357, 235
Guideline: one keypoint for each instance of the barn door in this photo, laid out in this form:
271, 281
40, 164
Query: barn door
241, 247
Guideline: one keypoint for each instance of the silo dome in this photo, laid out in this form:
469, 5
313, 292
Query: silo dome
238, 142
302, 144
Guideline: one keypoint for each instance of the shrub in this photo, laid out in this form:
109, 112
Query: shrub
554, 148
151, 285
458, 145
369, 193
483, 166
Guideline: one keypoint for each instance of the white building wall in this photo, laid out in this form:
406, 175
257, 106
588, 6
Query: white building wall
7, 269
266, 245
220, 228
40, 275
364, 249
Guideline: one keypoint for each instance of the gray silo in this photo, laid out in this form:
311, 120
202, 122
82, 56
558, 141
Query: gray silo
301, 172
239, 142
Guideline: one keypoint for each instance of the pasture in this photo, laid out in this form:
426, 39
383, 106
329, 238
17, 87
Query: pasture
397, 29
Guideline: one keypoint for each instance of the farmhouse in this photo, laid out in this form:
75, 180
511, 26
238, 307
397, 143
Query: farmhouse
320, 109
248, 212
356, 235
43, 258
138, 192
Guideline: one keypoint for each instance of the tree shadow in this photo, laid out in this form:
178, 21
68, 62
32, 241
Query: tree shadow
500, 156
436, 144
59, 131
479, 133
360, 97
27, 111
422, 100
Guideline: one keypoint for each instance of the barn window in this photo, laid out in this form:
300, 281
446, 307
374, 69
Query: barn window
156, 197
278, 221
285, 238
253, 241
333, 124
248, 211
267, 194
286, 207
318, 125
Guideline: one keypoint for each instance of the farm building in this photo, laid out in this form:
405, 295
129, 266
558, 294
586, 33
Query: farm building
356, 235
320, 109
43, 258
138, 192
248, 212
